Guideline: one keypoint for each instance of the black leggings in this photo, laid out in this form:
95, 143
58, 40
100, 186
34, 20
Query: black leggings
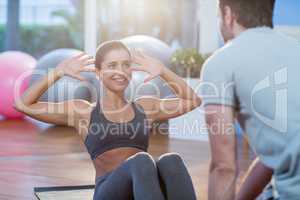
141, 178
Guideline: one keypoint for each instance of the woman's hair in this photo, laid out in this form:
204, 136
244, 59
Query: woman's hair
107, 46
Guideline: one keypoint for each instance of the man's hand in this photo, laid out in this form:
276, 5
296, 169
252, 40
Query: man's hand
256, 179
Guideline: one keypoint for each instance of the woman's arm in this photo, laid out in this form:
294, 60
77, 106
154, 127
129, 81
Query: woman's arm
57, 113
162, 109
256, 179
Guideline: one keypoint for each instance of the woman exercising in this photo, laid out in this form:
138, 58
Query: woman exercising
115, 131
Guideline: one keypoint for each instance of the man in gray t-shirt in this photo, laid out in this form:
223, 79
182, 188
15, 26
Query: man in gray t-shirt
253, 79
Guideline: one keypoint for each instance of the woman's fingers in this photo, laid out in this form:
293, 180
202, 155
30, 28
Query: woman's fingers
142, 58
85, 58
140, 55
137, 55
143, 54
79, 55
88, 69
149, 78
138, 60
89, 62
138, 52
140, 68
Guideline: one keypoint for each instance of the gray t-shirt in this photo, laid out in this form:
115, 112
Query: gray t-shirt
258, 73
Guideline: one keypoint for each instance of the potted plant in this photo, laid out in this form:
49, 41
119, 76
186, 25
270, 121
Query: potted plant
187, 63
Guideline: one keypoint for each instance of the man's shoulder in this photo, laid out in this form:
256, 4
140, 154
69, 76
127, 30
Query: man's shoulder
221, 60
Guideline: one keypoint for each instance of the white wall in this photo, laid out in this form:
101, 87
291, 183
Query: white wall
208, 29
192, 125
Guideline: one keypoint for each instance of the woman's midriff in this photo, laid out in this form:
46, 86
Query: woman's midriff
111, 159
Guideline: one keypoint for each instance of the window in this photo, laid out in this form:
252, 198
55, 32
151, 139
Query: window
42, 26
173, 21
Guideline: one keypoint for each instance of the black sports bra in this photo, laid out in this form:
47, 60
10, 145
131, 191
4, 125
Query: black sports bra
104, 135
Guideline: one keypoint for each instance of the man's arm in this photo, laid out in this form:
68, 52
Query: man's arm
256, 179
223, 170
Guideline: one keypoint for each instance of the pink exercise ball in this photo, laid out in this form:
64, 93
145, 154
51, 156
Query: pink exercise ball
15, 71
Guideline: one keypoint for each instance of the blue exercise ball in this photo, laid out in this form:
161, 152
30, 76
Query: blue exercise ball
67, 87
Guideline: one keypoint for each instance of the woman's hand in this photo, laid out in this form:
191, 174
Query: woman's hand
73, 66
166, 108
147, 64
55, 112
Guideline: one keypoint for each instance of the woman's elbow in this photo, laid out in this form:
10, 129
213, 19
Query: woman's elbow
196, 102
19, 106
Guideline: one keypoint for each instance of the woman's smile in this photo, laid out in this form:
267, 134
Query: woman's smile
120, 79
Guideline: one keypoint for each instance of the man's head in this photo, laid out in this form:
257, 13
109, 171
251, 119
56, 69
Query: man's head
238, 15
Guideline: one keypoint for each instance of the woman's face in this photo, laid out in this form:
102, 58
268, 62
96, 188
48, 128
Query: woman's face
115, 70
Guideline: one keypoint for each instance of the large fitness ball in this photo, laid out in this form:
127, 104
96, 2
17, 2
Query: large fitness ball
15, 70
65, 88
157, 49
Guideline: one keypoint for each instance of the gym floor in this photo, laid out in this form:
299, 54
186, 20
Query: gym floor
34, 154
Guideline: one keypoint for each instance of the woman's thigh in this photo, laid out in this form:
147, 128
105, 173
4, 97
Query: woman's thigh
117, 185
175, 179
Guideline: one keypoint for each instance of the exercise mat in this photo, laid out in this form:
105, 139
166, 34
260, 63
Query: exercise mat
65, 192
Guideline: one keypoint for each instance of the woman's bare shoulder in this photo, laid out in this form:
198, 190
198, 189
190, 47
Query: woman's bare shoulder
83, 110
82, 107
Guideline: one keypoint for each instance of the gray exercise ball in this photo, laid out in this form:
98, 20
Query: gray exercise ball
157, 49
65, 88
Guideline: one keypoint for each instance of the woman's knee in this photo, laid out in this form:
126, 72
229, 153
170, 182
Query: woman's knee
170, 161
170, 158
142, 160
